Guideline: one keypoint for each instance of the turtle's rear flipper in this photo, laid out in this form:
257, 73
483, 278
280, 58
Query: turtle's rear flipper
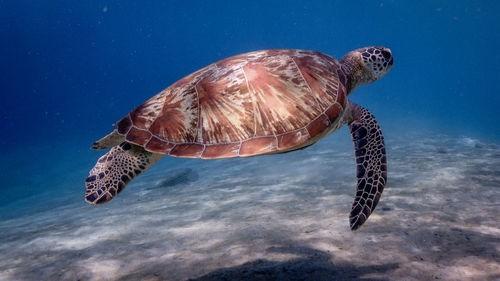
371, 165
115, 169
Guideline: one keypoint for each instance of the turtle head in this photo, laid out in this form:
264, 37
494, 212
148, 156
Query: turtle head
365, 65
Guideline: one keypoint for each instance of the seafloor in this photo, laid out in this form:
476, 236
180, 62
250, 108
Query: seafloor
278, 217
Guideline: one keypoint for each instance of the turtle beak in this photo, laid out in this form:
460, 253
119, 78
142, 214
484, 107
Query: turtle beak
386, 52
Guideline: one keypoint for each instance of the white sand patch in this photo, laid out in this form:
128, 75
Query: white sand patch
79, 239
471, 268
102, 269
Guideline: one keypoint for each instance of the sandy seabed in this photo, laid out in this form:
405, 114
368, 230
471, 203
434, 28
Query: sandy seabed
278, 217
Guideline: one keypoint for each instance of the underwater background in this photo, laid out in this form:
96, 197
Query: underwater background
70, 69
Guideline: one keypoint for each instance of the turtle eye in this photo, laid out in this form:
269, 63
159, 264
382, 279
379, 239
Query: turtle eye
386, 54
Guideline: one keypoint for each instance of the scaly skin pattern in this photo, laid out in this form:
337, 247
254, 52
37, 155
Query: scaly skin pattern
250, 104
115, 169
371, 163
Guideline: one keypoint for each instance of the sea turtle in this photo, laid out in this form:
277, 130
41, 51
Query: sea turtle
262, 102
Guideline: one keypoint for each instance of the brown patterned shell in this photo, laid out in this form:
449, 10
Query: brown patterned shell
249, 104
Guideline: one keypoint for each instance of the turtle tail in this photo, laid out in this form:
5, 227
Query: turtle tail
112, 139
116, 169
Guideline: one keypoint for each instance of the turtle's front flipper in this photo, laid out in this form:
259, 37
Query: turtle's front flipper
115, 169
371, 165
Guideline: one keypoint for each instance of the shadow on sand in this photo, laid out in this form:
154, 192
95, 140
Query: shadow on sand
311, 265
316, 266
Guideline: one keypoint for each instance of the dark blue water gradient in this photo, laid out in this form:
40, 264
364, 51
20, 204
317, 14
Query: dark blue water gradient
69, 69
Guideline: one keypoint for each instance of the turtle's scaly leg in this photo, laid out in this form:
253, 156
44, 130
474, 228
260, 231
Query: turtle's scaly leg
115, 169
371, 164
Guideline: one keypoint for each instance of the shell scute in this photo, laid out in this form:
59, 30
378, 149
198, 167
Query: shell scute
139, 137
259, 145
178, 119
187, 150
225, 107
341, 95
333, 112
221, 151
293, 139
124, 125
318, 125
158, 146
277, 97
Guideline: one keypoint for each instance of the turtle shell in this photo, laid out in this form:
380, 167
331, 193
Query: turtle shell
250, 104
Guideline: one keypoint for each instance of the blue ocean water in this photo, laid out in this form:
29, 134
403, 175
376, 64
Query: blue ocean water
70, 69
